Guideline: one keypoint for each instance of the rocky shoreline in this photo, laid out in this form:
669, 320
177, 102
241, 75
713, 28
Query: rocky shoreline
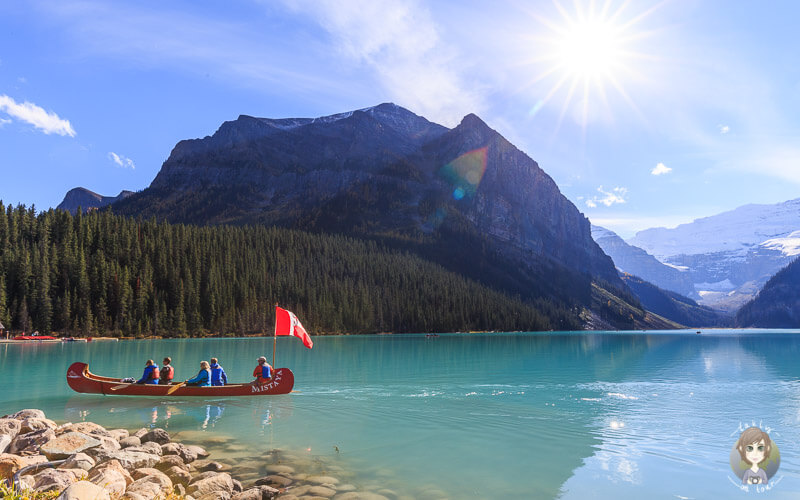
105, 464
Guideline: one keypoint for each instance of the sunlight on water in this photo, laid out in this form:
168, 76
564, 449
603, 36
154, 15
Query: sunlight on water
602, 415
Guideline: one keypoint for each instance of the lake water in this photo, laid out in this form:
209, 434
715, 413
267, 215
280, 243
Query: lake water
556, 415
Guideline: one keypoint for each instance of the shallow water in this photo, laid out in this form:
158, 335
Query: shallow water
568, 415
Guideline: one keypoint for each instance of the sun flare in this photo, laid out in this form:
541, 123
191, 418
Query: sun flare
585, 55
590, 50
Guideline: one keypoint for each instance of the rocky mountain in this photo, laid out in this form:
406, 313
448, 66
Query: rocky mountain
465, 197
635, 261
777, 305
728, 257
82, 197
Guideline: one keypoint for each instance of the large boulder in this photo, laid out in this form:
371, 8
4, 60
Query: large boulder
119, 434
149, 471
53, 479
151, 486
84, 490
178, 475
36, 424
80, 461
112, 477
5, 442
90, 428
130, 441
187, 454
168, 461
198, 451
68, 444
31, 441
9, 464
129, 460
218, 482
28, 413
159, 436
10, 427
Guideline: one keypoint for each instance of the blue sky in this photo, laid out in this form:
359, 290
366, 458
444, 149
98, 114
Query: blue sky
645, 113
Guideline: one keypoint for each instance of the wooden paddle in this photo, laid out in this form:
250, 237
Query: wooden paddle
120, 386
176, 387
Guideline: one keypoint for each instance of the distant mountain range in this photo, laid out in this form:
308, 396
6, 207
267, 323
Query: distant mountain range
727, 257
465, 198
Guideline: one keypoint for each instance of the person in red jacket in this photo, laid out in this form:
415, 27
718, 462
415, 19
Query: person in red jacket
262, 372
167, 372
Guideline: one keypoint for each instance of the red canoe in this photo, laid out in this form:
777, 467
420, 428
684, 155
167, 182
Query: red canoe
82, 380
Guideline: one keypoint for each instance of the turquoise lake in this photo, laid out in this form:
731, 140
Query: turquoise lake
523, 415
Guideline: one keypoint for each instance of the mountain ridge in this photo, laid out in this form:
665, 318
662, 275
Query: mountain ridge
464, 197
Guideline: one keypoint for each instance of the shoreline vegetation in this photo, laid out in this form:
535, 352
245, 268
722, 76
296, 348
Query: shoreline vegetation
101, 274
99, 463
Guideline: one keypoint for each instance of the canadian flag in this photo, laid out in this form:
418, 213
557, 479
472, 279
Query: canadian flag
286, 323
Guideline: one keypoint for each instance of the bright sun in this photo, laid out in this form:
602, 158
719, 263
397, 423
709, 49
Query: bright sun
588, 52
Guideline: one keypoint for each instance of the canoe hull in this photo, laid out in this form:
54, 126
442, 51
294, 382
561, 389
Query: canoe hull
80, 379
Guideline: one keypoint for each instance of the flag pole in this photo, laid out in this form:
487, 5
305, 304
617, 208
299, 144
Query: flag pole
275, 336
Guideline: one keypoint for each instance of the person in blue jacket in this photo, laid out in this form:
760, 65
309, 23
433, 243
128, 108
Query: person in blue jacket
203, 377
150, 375
218, 376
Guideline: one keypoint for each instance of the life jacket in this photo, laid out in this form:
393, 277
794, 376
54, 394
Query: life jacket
265, 371
167, 372
155, 374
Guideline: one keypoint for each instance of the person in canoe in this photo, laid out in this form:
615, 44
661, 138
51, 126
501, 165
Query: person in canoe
263, 372
203, 378
151, 373
218, 376
167, 372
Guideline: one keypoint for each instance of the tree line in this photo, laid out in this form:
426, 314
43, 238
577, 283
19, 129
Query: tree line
98, 273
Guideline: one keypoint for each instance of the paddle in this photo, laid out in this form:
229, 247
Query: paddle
176, 387
120, 386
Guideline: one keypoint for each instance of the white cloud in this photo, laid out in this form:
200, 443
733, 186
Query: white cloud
724, 129
4, 121
400, 43
47, 122
608, 198
661, 169
121, 161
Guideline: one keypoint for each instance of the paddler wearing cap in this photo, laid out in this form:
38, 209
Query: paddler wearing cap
263, 372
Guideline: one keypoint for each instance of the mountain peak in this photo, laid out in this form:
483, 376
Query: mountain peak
471, 120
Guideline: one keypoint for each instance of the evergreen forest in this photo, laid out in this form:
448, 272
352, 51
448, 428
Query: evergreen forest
101, 274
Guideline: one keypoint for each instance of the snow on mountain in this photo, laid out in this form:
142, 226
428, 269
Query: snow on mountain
735, 232
789, 245
729, 256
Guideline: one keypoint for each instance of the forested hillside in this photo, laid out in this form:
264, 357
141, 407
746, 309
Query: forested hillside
100, 273
777, 305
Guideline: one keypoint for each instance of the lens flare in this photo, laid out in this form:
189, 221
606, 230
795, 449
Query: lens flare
465, 172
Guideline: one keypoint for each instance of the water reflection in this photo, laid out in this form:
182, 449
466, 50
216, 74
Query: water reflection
668, 425
177, 414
